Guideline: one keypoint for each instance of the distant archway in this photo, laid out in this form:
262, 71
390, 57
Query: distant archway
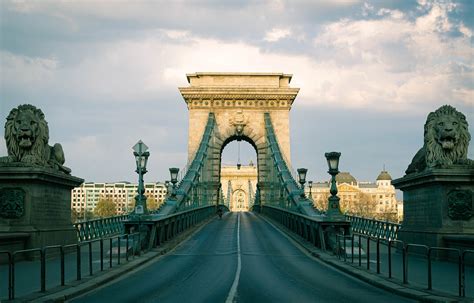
239, 182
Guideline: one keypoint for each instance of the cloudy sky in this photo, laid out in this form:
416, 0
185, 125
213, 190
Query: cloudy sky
105, 73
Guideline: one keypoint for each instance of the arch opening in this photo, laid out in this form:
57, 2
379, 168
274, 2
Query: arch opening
238, 182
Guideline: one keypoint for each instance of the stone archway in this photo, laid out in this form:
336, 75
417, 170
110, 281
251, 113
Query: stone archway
239, 201
239, 102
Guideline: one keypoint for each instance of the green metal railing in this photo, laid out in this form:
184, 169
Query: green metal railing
374, 228
311, 228
190, 188
290, 194
103, 242
99, 228
389, 255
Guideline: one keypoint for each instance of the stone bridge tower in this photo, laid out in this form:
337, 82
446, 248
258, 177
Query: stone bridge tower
239, 101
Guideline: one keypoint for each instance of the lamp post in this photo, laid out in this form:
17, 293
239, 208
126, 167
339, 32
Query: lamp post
174, 179
140, 151
302, 178
310, 184
167, 186
334, 212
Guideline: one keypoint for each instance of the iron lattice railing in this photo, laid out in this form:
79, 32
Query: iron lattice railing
103, 244
374, 228
290, 194
98, 228
190, 190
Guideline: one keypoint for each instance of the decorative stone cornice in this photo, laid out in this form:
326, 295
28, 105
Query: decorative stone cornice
209, 100
239, 90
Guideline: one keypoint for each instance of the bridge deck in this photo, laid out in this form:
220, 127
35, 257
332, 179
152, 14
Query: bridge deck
204, 269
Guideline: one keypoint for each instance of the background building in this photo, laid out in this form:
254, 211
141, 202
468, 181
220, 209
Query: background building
368, 199
239, 186
85, 198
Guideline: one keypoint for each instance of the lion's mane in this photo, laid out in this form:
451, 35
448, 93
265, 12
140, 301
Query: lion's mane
40, 148
432, 154
435, 154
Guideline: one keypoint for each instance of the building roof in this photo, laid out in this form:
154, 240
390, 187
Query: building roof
321, 184
345, 177
384, 175
367, 185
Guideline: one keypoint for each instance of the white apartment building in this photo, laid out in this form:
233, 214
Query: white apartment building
86, 196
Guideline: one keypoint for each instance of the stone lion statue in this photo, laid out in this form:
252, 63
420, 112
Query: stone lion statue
446, 141
27, 135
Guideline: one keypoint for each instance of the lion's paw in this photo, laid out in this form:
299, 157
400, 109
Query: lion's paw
7, 159
30, 159
465, 162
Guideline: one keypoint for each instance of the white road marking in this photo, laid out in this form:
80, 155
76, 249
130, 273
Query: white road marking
233, 289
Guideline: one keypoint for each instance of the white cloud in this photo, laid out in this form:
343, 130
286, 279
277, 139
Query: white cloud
24, 73
465, 30
276, 34
176, 34
386, 63
396, 64
435, 20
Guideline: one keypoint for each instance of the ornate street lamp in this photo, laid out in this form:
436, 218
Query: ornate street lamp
302, 178
167, 186
140, 151
310, 184
174, 179
334, 212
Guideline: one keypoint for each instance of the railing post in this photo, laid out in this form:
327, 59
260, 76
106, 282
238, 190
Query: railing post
389, 259
118, 249
368, 252
90, 258
460, 275
405, 264
360, 250
12, 278
352, 248
101, 254
378, 255
43, 270
430, 286
463, 271
61, 250
10, 282
126, 250
78, 262
110, 252
344, 251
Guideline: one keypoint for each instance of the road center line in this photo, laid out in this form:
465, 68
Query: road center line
233, 289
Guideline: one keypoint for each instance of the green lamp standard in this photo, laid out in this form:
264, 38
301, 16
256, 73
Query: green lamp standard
310, 184
174, 179
334, 212
167, 186
302, 179
140, 151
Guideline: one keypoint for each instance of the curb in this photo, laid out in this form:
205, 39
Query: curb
368, 277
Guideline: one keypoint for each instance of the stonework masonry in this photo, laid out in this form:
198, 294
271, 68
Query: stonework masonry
239, 101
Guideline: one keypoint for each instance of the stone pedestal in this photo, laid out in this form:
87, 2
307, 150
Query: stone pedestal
35, 208
438, 207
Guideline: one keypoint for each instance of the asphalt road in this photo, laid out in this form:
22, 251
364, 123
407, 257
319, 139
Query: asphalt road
240, 258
